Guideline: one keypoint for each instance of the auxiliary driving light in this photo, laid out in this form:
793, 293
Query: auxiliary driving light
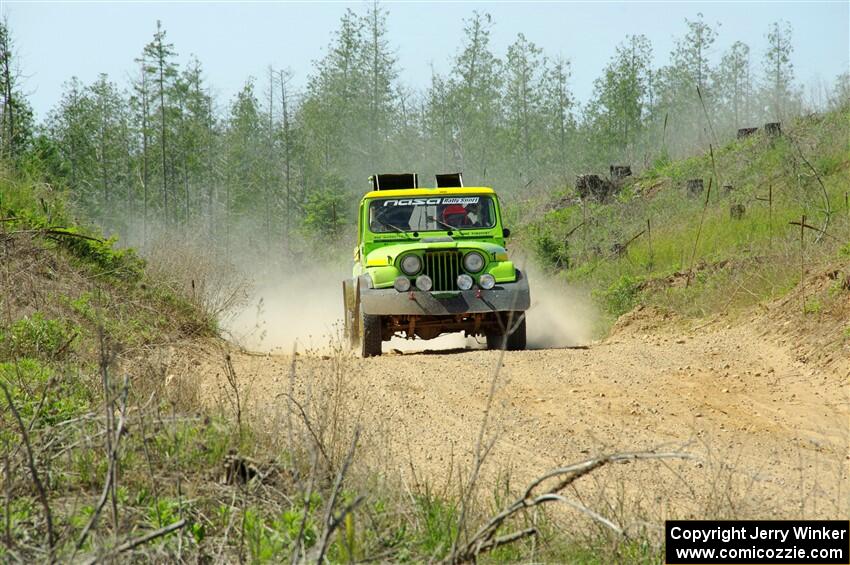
486, 281
402, 284
464, 282
473, 262
411, 264
423, 283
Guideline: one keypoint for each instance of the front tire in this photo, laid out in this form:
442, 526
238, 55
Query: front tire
370, 335
516, 340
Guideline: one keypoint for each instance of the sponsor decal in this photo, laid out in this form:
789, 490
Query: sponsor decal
444, 200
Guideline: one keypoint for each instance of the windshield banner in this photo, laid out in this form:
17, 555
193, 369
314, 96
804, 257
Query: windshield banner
444, 200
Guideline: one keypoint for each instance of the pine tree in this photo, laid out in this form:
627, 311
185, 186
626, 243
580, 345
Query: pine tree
110, 122
524, 71
16, 119
288, 147
733, 85
779, 91
140, 107
194, 137
381, 74
621, 97
333, 109
158, 57
475, 101
557, 108
682, 87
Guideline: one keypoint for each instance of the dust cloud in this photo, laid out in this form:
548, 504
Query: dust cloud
560, 315
304, 310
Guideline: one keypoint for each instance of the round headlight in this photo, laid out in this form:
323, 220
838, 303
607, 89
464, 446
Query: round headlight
464, 282
423, 283
402, 284
487, 281
473, 262
411, 264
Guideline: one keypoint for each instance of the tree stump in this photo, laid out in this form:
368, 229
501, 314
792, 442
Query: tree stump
746, 132
619, 172
582, 186
592, 186
618, 249
737, 211
695, 187
773, 129
238, 470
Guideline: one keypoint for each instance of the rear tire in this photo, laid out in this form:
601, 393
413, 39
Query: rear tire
516, 341
370, 335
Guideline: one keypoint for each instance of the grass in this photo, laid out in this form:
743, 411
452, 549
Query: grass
750, 259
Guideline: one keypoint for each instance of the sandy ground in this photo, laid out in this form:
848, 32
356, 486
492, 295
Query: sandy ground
769, 427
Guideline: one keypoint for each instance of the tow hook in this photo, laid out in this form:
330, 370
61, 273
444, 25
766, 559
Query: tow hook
410, 296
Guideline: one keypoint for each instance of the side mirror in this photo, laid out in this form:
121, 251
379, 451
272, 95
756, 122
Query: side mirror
506, 232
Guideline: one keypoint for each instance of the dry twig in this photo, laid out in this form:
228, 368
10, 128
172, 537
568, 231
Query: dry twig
332, 522
134, 543
485, 538
36, 479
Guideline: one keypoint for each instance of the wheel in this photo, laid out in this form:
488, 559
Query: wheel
350, 316
516, 340
370, 335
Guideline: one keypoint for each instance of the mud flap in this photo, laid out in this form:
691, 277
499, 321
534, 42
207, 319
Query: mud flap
351, 316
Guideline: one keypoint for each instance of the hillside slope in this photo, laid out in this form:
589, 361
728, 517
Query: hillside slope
728, 246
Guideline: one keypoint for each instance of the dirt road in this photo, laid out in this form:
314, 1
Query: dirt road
770, 428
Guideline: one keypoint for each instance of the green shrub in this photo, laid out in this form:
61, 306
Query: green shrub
551, 253
34, 394
621, 296
812, 306
103, 254
37, 337
439, 524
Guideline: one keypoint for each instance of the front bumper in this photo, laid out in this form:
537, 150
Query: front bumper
504, 297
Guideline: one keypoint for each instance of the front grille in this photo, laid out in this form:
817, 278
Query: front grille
443, 267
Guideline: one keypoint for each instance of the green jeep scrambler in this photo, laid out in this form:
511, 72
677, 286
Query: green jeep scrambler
431, 261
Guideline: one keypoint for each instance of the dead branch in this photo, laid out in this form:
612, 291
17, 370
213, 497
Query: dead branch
111, 471
504, 540
481, 451
134, 543
699, 232
230, 373
828, 210
485, 538
54, 231
7, 491
309, 427
707, 118
331, 522
813, 228
36, 479
573, 230
298, 544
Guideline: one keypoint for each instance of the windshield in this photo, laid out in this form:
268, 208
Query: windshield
438, 213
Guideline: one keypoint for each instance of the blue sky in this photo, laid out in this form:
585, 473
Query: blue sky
233, 40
